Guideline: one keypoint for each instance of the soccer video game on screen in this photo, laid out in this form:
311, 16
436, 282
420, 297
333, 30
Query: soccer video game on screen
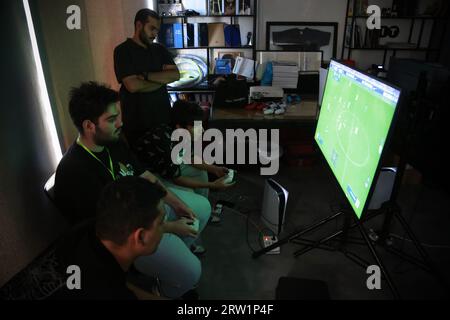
356, 114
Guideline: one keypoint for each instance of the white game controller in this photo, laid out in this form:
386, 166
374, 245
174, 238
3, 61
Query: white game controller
230, 177
194, 224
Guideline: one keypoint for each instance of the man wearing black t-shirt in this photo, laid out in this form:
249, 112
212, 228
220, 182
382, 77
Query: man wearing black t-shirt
144, 68
129, 224
98, 158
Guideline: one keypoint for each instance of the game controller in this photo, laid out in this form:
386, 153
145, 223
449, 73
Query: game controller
195, 224
231, 177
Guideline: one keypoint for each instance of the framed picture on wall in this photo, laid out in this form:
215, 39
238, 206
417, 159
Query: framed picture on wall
303, 36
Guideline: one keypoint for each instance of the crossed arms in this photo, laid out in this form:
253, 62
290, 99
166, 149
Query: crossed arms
155, 80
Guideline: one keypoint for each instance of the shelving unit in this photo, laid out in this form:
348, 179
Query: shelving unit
418, 46
206, 86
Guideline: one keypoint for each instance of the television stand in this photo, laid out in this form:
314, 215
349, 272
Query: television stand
391, 211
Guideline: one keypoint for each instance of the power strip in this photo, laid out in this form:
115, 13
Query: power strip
268, 241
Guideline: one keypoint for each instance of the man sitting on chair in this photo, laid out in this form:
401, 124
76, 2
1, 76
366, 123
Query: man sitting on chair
129, 224
154, 150
98, 158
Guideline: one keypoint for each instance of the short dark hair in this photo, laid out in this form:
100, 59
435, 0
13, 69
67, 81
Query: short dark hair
125, 205
184, 113
143, 14
89, 102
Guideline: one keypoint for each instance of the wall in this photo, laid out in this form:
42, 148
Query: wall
332, 11
28, 223
109, 22
87, 54
74, 56
66, 56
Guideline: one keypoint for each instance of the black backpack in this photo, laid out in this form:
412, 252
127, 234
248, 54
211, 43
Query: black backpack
231, 93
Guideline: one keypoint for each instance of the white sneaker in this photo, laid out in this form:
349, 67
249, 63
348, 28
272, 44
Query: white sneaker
279, 110
268, 110
214, 219
197, 249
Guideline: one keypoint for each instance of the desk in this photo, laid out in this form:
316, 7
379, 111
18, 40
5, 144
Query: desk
297, 126
297, 115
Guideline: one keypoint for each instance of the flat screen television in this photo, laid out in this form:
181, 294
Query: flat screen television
353, 127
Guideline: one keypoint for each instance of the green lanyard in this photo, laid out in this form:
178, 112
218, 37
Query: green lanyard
111, 167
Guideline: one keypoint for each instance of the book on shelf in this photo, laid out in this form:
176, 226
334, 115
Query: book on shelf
223, 66
203, 38
372, 38
189, 35
232, 34
171, 35
244, 67
196, 34
216, 35
348, 31
357, 41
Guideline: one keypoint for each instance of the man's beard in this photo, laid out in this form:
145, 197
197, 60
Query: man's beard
144, 38
103, 139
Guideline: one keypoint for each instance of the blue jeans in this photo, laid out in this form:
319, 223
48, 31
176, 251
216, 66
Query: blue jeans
177, 268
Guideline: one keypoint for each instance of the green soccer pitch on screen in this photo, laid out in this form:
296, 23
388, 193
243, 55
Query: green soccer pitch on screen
354, 122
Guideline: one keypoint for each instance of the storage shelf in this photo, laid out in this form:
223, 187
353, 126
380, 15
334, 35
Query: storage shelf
208, 53
414, 41
212, 16
191, 90
390, 48
204, 48
205, 87
402, 17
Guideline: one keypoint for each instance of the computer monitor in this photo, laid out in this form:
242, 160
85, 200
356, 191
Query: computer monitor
353, 127
274, 206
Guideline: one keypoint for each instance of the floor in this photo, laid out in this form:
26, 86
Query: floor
230, 272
